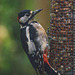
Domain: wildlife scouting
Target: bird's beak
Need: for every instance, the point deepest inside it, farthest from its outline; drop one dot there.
(36, 11)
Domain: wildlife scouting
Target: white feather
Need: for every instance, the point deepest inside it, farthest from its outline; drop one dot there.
(24, 18)
(31, 44)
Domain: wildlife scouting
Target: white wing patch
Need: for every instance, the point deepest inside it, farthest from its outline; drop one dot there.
(31, 44)
(42, 37)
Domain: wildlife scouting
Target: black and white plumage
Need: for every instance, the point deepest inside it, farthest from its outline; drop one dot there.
(34, 42)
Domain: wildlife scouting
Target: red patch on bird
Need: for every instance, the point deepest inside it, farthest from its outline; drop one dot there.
(45, 59)
(18, 18)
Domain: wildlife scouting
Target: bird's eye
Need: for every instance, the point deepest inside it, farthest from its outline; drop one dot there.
(27, 14)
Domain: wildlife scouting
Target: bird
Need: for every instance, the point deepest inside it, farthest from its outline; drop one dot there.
(35, 42)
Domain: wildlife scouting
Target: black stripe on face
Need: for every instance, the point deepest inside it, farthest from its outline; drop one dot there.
(23, 12)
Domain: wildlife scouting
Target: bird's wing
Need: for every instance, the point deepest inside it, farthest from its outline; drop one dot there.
(24, 39)
(37, 43)
(41, 35)
(39, 39)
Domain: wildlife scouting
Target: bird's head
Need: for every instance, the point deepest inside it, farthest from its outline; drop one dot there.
(26, 15)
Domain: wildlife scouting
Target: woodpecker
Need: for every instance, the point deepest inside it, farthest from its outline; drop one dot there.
(35, 42)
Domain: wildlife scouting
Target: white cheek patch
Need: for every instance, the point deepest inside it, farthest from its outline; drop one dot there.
(23, 19)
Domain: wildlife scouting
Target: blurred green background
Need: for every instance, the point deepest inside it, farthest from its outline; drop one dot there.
(13, 60)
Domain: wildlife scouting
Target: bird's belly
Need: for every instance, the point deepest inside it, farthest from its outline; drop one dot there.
(42, 42)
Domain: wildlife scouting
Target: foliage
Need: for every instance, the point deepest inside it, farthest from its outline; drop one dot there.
(13, 60)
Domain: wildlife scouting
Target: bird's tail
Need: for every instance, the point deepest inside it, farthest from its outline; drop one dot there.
(48, 68)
